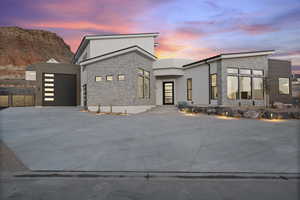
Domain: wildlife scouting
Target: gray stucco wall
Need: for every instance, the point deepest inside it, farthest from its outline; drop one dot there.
(278, 69)
(59, 68)
(118, 93)
(253, 62)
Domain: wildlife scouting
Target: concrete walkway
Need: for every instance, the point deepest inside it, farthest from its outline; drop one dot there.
(159, 140)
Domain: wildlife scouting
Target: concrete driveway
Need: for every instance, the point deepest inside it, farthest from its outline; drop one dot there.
(161, 140)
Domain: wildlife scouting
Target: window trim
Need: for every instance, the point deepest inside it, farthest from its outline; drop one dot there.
(263, 88)
(189, 97)
(279, 93)
(141, 74)
(240, 96)
(238, 87)
(211, 86)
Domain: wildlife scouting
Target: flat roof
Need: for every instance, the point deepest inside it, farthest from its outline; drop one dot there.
(233, 55)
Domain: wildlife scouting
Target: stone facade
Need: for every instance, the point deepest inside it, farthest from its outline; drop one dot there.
(254, 62)
(117, 92)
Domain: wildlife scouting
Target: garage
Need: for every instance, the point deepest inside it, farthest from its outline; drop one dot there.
(57, 84)
(59, 89)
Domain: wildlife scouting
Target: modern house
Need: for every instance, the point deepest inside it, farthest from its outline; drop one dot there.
(121, 72)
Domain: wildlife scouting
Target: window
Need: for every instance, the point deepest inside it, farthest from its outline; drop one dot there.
(121, 77)
(146, 86)
(98, 78)
(49, 85)
(213, 86)
(143, 83)
(49, 89)
(284, 86)
(49, 80)
(232, 70)
(189, 87)
(49, 94)
(245, 87)
(257, 88)
(241, 84)
(49, 75)
(245, 71)
(48, 99)
(232, 87)
(109, 78)
(258, 72)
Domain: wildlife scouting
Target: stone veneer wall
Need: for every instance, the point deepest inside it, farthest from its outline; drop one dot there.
(118, 93)
(254, 62)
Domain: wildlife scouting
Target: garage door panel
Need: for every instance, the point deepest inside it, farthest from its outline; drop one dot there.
(61, 91)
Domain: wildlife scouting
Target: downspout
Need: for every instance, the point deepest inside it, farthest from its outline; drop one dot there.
(209, 88)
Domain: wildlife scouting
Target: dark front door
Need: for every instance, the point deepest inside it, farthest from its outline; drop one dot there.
(168, 93)
(59, 90)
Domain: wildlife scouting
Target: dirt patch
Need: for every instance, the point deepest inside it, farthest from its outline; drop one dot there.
(9, 161)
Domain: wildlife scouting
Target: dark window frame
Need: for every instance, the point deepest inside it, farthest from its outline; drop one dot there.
(213, 86)
(240, 95)
(289, 86)
(238, 87)
(189, 91)
(144, 78)
(263, 87)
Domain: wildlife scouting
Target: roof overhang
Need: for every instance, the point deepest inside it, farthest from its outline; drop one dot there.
(86, 39)
(119, 52)
(229, 55)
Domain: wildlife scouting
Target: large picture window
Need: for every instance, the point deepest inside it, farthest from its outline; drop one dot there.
(189, 87)
(258, 88)
(232, 87)
(245, 84)
(284, 85)
(213, 86)
(143, 83)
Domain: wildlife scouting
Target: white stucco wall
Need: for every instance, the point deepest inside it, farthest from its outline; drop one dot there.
(159, 89)
(200, 84)
(86, 51)
(102, 46)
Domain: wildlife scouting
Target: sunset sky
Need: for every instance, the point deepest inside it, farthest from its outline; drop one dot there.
(188, 29)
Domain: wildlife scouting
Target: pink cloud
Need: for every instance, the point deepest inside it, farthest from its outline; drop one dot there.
(256, 29)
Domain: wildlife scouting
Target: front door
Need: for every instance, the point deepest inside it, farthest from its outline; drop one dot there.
(168, 93)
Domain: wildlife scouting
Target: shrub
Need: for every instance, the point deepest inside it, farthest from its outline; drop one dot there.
(182, 104)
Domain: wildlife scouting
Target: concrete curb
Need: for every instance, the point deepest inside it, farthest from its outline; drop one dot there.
(153, 174)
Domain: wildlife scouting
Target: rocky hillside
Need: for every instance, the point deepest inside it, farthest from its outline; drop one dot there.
(21, 47)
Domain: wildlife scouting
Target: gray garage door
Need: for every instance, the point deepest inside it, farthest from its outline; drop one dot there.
(59, 89)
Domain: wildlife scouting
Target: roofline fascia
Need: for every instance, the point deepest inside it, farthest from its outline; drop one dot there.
(227, 56)
(107, 55)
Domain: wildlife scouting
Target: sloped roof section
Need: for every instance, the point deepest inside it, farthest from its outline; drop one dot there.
(118, 52)
(85, 40)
